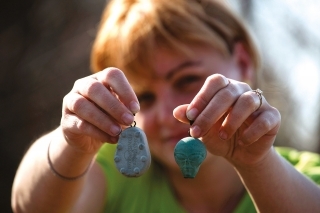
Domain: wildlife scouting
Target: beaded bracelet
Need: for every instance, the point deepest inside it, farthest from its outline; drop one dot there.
(56, 173)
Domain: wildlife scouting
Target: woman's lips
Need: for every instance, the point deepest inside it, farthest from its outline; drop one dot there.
(173, 140)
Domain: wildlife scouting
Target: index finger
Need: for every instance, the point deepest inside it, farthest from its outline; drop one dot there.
(198, 104)
(115, 79)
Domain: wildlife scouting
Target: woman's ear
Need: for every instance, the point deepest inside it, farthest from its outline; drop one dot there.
(245, 63)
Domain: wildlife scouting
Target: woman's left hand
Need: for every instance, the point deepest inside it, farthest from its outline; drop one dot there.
(232, 120)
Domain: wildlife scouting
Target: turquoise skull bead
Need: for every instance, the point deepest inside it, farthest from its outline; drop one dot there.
(189, 153)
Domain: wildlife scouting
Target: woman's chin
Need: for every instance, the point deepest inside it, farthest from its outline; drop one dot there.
(164, 153)
(166, 159)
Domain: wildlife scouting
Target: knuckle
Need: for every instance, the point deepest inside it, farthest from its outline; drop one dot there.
(265, 124)
(275, 117)
(245, 86)
(67, 121)
(113, 72)
(65, 99)
(226, 95)
(77, 83)
(248, 101)
(81, 125)
(217, 79)
(76, 104)
(276, 113)
(93, 87)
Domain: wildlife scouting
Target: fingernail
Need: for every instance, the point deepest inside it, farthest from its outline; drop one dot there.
(223, 135)
(134, 107)
(227, 81)
(195, 131)
(192, 114)
(115, 130)
(127, 118)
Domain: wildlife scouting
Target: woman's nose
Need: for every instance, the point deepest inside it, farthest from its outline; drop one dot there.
(164, 110)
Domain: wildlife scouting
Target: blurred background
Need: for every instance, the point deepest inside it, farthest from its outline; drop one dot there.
(45, 46)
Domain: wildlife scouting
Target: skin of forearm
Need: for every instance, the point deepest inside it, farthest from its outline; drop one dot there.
(37, 189)
(276, 186)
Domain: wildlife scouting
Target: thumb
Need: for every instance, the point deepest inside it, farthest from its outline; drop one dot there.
(180, 113)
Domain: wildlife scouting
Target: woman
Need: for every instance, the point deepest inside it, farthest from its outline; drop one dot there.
(186, 60)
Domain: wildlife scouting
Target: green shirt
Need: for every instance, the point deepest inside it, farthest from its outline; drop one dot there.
(151, 193)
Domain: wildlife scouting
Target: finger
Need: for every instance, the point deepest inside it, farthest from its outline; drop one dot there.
(116, 79)
(245, 105)
(212, 85)
(180, 113)
(80, 126)
(265, 125)
(88, 111)
(96, 92)
(218, 106)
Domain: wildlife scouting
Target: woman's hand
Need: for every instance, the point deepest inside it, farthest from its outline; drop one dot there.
(96, 108)
(228, 118)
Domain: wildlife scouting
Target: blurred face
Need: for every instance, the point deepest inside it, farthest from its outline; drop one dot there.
(178, 79)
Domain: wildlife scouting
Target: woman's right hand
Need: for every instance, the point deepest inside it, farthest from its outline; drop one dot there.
(96, 108)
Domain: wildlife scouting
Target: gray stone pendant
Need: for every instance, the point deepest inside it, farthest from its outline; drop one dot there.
(189, 153)
(132, 157)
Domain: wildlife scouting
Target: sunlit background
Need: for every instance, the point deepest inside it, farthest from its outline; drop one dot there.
(45, 46)
(288, 33)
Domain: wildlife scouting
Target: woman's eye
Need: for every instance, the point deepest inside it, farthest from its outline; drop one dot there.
(146, 99)
(188, 83)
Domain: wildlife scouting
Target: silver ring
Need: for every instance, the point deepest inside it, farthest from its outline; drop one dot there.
(259, 93)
